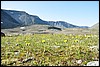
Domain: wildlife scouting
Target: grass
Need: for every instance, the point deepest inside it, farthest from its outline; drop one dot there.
(48, 50)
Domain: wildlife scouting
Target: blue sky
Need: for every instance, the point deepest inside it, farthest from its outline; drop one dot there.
(82, 13)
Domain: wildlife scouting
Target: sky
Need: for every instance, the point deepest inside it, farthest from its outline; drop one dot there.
(81, 13)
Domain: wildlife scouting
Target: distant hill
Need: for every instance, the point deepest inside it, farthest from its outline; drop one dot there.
(95, 26)
(13, 19)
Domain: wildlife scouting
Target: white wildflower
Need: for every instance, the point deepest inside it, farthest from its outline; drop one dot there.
(79, 61)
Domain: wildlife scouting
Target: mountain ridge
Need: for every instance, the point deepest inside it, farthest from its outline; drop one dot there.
(21, 18)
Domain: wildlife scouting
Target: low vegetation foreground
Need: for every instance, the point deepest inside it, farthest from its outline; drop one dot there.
(49, 50)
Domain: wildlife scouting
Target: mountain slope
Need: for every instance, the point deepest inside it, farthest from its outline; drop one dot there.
(95, 26)
(12, 19)
(8, 21)
(20, 16)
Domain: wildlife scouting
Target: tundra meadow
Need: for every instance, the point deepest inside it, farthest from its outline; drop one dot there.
(48, 50)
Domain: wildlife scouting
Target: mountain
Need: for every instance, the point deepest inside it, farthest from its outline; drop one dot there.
(95, 26)
(13, 18)
(8, 21)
